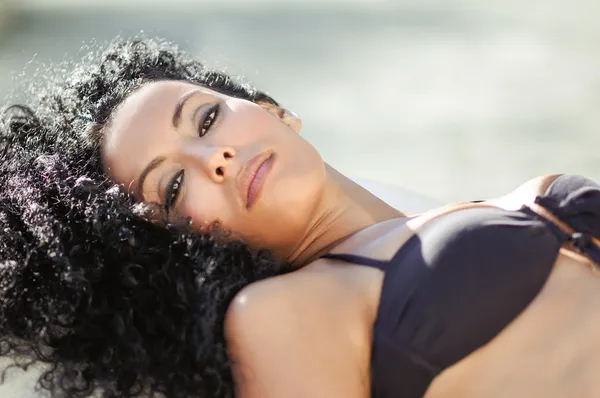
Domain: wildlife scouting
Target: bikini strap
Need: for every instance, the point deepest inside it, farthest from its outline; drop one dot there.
(581, 245)
(413, 225)
(356, 259)
(574, 240)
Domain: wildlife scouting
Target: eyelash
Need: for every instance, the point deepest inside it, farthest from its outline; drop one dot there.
(209, 119)
(173, 189)
(174, 186)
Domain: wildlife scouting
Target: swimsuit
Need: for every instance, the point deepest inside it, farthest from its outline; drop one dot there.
(464, 276)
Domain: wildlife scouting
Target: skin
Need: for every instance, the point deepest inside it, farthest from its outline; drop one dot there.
(328, 308)
(320, 318)
(305, 206)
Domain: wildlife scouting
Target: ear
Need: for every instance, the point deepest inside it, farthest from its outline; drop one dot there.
(290, 118)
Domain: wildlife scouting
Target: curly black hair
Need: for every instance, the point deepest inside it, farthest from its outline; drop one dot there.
(112, 303)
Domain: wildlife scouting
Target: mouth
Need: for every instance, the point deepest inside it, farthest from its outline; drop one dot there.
(252, 177)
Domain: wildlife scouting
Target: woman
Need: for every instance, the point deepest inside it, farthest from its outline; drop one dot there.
(353, 298)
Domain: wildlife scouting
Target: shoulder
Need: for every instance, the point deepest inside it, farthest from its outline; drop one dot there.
(526, 193)
(315, 291)
(288, 336)
(267, 307)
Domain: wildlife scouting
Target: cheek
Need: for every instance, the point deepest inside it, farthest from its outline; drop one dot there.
(206, 204)
(248, 121)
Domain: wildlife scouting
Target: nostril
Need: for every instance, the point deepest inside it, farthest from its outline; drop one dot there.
(227, 155)
(220, 171)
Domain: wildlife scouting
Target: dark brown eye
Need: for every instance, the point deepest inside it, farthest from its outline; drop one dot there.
(173, 189)
(210, 116)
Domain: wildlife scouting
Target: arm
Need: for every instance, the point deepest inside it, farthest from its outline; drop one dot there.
(285, 343)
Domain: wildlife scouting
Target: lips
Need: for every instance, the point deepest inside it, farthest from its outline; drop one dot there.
(252, 177)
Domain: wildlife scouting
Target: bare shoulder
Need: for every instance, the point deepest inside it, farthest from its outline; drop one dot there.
(300, 290)
(525, 194)
(267, 305)
(259, 298)
(289, 336)
(539, 184)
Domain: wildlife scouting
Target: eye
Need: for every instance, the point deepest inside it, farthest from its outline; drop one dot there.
(210, 116)
(173, 189)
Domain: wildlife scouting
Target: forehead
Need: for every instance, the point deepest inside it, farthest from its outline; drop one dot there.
(152, 102)
(140, 127)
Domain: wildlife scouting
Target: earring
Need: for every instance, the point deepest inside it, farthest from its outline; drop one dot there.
(288, 117)
(291, 120)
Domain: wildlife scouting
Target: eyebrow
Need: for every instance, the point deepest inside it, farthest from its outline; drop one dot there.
(179, 107)
(139, 188)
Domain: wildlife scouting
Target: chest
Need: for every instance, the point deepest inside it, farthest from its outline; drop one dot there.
(550, 350)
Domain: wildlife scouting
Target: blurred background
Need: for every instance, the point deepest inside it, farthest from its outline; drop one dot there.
(454, 99)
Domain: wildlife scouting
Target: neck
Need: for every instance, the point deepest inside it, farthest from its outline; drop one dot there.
(345, 209)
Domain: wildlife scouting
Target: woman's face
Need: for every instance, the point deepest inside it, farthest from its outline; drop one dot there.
(212, 157)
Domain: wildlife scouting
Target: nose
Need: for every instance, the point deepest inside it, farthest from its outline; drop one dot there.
(214, 161)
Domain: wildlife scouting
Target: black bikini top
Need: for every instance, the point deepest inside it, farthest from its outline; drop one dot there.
(463, 276)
